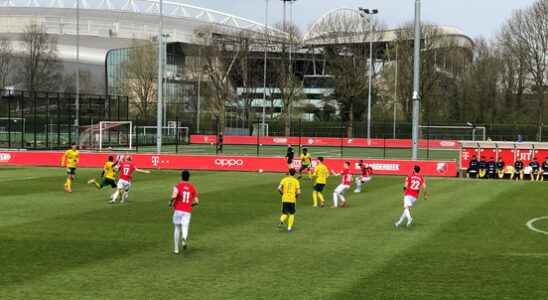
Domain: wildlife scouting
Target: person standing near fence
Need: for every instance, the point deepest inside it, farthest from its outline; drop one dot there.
(220, 143)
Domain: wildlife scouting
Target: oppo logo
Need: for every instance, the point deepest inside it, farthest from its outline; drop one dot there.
(280, 140)
(5, 157)
(225, 162)
(447, 144)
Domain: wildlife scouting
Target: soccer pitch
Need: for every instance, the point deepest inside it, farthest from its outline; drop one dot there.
(469, 241)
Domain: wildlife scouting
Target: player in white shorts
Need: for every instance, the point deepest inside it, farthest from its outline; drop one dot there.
(124, 182)
(413, 185)
(346, 182)
(365, 176)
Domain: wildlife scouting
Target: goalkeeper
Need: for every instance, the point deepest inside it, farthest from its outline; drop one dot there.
(108, 176)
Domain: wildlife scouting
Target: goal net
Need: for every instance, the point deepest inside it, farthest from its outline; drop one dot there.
(171, 135)
(12, 125)
(115, 135)
(460, 133)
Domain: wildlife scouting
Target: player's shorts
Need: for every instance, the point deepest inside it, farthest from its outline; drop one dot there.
(409, 201)
(181, 217)
(365, 178)
(108, 182)
(318, 187)
(123, 184)
(305, 167)
(288, 208)
(341, 188)
(71, 171)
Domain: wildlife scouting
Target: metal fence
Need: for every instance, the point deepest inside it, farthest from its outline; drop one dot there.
(41, 120)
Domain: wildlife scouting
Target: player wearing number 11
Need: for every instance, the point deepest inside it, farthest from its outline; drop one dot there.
(413, 185)
(183, 199)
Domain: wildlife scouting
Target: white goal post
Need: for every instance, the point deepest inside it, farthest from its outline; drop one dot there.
(454, 132)
(105, 125)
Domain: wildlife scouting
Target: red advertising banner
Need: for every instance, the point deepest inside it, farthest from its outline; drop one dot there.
(226, 163)
(323, 141)
(509, 156)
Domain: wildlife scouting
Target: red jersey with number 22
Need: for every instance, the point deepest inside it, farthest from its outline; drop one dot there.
(126, 171)
(186, 193)
(413, 185)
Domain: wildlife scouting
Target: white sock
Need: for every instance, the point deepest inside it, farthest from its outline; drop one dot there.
(185, 226)
(125, 195)
(402, 217)
(115, 196)
(407, 214)
(358, 184)
(176, 237)
(342, 198)
(335, 199)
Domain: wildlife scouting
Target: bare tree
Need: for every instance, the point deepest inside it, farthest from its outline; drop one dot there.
(140, 75)
(527, 32)
(87, 83)
(40, 67)
(6, 61)
(344, 41)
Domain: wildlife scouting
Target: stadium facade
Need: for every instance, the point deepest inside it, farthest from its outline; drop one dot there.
(108, 27)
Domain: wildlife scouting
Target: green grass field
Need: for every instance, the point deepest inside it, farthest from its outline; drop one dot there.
(469, 241)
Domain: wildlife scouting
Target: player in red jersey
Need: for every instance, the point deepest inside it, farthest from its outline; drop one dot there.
(183, 199)
(125, 169)
(413, 185)
(365, 176)
(346, 182)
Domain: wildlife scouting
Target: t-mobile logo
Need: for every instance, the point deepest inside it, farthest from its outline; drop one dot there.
(155, 160)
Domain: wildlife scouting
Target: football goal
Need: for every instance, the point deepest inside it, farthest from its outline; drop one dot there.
(12, 124)
(461, 133)
(171, 135)
(111, 135)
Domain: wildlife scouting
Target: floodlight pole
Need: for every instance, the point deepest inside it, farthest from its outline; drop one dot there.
(159, 113)
(416, 82)
(77, 100)
(369, 13)
(263, 120)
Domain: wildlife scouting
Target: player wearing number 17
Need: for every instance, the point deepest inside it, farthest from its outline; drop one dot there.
(289, 188)
(126, 170)
(183, 199)
(413, 185)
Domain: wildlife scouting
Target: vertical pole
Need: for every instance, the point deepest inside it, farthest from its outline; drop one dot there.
(9, 123)
(77, 104)
(395, 92)
(199, 102)
(258, 139)
(265, 65)
(34, 120)
(416, 82)
(160, 81)
(58, 121)
(370, 81)
(23, 131)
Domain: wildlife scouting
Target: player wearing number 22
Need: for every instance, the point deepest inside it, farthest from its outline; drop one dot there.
(413, 185)
(183, 199)
(126, 170)
(289, 188)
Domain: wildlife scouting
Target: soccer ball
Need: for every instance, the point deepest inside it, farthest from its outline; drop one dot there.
(260, 170)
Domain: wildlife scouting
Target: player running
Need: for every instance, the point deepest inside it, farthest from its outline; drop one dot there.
(70, 161)
(346, 182)
(290, 189)
(183, 199)
(108, 175)
(306, 163)
(290, 155)
(126, 170)
(321, 173)
(413, 185)
(365, 176)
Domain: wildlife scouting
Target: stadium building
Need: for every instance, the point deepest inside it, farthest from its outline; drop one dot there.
(108, 27)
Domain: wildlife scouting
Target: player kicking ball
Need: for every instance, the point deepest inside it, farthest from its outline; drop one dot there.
(413, 185)
(346, 182)
(365, 176)
(289, 188)
(108, 176)
(126, 170)
(183, 199)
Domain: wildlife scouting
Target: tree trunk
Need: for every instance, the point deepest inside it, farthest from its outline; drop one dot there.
(350, 127)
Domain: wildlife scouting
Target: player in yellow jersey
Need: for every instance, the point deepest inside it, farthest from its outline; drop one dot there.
(289, 188)
(321, 173)
(306, 163)
(70, 161)
(108, 175)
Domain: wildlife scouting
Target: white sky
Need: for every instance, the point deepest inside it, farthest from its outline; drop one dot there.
(475, 17)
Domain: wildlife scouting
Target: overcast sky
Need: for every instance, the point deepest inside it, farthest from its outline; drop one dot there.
(475, 17)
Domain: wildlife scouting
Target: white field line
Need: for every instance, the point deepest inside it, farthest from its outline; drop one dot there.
(533, 228)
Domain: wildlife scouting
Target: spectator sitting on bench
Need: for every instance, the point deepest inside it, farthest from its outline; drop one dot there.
(500, 168)
(535, 170)
(492, 168)
(472, 167)
(544, 173)
(518, 170)
(482, 167)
